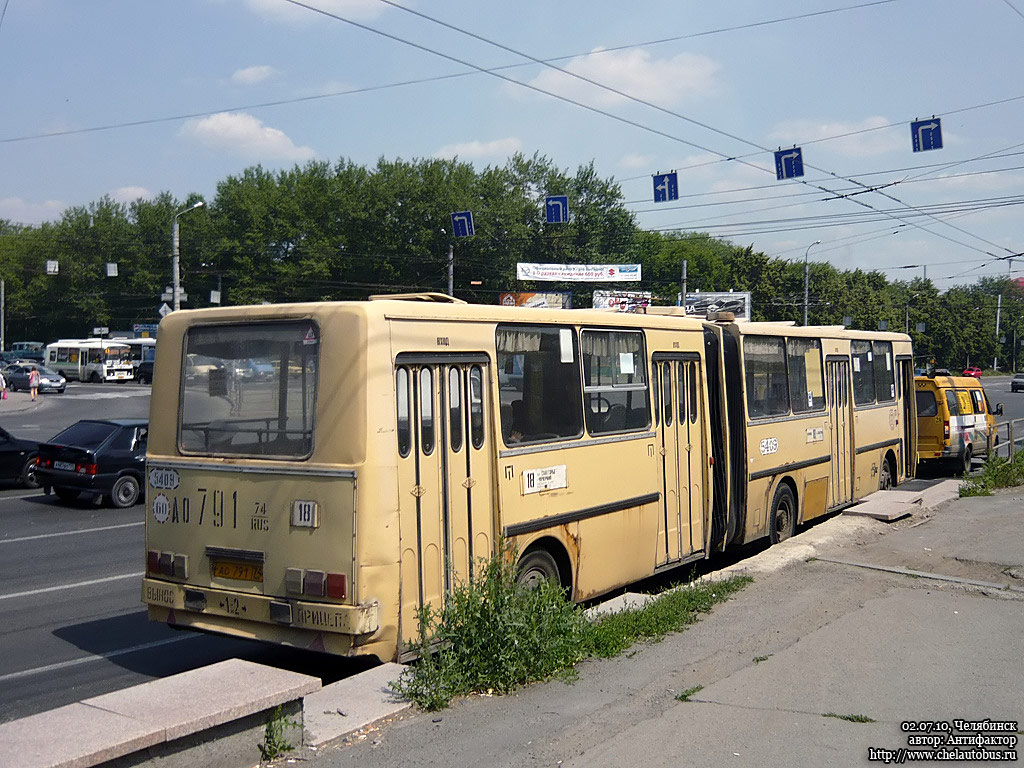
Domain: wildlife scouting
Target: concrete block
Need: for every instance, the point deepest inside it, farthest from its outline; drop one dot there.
(74, 736)
(203, 698)
(625, 602)
(350, 704)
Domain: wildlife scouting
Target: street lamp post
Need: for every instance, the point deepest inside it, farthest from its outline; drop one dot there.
(175, 260)
(807, 276)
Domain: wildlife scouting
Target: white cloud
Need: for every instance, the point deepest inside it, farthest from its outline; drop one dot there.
(253, 75)
(876, 139)
(279, 11)
(661, 81)
(23, 212)
(130, 194)
(476, 150)
(634, 161)
(245, 135)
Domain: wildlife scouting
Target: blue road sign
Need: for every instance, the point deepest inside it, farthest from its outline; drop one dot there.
(926, 134)
(557, 209)
(789, 163)
(462, 224)
(666, 187)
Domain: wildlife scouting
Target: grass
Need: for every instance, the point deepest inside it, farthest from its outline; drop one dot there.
(275, 743)
(495, 635)
(850, 718)
(759, 659)
(685, 695)
(997, 472)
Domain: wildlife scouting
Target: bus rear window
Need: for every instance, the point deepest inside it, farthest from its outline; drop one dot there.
(232, 407)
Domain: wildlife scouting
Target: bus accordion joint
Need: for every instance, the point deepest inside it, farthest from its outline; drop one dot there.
(721, 316)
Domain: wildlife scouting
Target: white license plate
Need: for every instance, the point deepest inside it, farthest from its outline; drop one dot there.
(67, 466)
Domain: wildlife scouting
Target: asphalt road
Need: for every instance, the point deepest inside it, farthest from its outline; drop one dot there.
(71, 621)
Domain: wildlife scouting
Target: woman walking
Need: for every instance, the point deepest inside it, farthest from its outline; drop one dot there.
(33, 383)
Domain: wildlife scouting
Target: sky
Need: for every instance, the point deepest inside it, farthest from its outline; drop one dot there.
(130, 98)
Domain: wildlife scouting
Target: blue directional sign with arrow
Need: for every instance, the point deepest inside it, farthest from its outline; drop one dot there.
(557, 209)
(926, 134)
(666, 187)
(462, 224)
(789, 163)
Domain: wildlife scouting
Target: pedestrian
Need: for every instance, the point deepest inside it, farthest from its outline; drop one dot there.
(3, 387)
(33, 383)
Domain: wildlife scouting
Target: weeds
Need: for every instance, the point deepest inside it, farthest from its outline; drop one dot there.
(850, 718)
(685, 695)
(494, 634)
(759, 659)
(275, 743)
(997, 472)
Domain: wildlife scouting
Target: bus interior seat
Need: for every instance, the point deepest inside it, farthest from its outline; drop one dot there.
(616, 418)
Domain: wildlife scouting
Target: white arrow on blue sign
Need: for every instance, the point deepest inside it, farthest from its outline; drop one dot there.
(666, 187)
(789, 163)
(926, 134)
(462, 224)
(556, 208)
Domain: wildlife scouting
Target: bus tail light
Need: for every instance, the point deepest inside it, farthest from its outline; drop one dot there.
(945, 429)
(166, 564)
(337, 586)
(153, 562)
(315, 583)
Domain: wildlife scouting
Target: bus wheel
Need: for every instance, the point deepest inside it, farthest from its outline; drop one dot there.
(537, 566)
(885, 476)
(963, 467)
(783, 518)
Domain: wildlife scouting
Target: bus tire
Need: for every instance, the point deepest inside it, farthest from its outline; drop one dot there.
(963, 466)
(885, 475)
(782, 523)
(125, 492)
(536, 566)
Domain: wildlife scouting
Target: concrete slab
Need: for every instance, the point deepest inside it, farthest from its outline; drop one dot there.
(353, 703)
(627, 601)
(887, 512)
(940, 493)
(206, 697)
(75, 736)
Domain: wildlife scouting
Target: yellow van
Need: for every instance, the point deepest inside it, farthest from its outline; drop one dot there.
(954, 420)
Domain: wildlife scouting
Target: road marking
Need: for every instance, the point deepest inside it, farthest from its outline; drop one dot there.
(70, 533)
(104, 395)
(97, 657)
(88, 583)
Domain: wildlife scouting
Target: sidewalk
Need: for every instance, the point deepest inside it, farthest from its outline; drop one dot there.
(19, 402)
(817, 662)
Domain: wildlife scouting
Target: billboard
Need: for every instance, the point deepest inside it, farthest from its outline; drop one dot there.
(623, 301)
(579, 273)
(737, 302)
(550, 300)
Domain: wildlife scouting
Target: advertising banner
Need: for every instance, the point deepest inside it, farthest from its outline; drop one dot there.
(550, 300)
(579, 273)
(737, 302)
(623, 301)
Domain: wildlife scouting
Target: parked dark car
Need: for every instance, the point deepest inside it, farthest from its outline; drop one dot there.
(104, 458)
(144, 373)
(18, 459)
(49, 381)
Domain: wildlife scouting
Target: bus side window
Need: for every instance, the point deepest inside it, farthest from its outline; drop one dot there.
(951, 403)
(476, 406)
(455, 408)
(402, 402)
(426, 411)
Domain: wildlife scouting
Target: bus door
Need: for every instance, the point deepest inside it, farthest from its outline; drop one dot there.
(680, 444)
(445, 476)
(840, 416)
(909, 403)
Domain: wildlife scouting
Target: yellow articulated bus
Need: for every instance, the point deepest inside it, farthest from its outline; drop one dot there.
(392, 442)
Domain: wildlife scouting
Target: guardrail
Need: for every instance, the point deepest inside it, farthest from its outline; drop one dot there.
(1006, 438)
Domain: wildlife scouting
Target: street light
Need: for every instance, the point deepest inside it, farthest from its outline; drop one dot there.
(175, 262)
(807, 276)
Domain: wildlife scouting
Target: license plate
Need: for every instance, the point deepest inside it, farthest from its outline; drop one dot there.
(67, 466)
(226, 569)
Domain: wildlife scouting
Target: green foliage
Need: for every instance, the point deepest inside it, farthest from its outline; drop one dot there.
(494, 634)
(275, 743)
(997, 472)
(850, 718)
(689, 692)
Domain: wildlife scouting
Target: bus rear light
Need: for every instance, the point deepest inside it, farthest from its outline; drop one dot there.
(293, 581)
(315, 583)
(945, 429)
(167, 563)
(153, 562)
(337, 586)
(180, 567)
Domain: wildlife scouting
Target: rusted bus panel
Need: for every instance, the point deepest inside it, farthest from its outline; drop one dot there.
(815, 498)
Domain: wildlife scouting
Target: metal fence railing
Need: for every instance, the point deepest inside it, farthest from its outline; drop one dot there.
(1006, 438)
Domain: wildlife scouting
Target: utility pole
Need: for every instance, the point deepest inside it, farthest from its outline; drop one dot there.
(682, 285)
(999, 312)
(3, 312)
(807, 277)
(451, 271)
(175, 258)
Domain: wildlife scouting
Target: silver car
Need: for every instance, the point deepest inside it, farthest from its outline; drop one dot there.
(49, 381)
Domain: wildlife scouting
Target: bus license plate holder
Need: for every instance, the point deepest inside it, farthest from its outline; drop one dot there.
(237, 571)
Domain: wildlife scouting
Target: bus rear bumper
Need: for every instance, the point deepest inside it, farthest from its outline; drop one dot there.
(299, 623)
